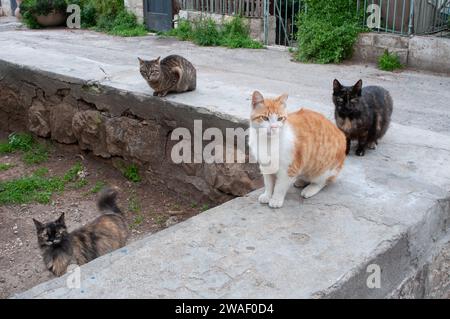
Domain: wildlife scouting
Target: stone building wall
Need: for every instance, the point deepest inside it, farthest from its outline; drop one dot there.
(137, 7)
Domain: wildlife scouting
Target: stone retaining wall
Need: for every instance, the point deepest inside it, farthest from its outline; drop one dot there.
(113, 123)
(428, 53)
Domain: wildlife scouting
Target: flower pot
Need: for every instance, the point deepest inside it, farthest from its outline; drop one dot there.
(52, 19)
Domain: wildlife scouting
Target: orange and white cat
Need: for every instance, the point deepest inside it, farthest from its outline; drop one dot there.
(302, 148)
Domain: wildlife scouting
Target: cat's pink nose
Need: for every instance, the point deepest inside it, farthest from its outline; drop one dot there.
(274, 125)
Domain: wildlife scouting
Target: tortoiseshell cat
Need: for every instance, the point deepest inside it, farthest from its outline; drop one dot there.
(309, 151)
(363, 114)
(106, 233)
(171, 74)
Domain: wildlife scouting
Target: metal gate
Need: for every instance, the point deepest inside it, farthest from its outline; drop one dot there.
(285, 12)
(158, 14)
(13, 7)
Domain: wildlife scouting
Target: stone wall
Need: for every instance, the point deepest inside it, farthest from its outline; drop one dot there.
(137, 7)
(112, 123)
(5, 8)
(421, 52)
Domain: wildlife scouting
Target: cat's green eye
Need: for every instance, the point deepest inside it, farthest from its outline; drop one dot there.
(354, 100)
(265, 118)
(340, 99)
(281, 118)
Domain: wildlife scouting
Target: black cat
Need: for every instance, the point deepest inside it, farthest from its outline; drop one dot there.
(363, 114)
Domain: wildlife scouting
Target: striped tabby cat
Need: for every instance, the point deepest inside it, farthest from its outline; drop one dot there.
(106, 233)
(171, 74)
(309, 151)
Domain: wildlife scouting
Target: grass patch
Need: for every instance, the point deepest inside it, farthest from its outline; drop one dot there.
(138, 220)
(99, 185)
(133, 204)
(5, 167)
(389, 61)
(33, 152)
(72, 174)
(37, 155)
(131, 172)
(39, 187)
(205, 32)
(34, 188)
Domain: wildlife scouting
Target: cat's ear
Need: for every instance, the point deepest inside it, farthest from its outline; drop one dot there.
(38, 224)
(141, 61)
(157, 60)
(283, 98)
(337, 86)
(61, 220)
(257, 99)
(357, 88)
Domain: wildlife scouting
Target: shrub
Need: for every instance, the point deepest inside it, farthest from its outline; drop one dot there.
(389, 61)
(110, 16)
(88, 12)
(125, 24)
(205, 32)
(183, 31)
(236, 34)
(327, 31)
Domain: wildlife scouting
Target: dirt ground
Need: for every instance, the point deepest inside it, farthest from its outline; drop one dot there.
(149, 208)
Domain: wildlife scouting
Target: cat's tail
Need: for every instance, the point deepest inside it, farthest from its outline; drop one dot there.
(107, 201)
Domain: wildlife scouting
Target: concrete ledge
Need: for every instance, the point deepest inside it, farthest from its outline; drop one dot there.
(390, 208)
(389, 215)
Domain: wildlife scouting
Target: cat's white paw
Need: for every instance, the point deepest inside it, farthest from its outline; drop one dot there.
(311, 190)
(372, 146)
(276, 202)
(264, 198)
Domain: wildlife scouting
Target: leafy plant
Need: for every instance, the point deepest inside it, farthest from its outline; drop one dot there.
(109, 16)
(236, 34)
(125, 24)
(33, 152)
(327, 31)
(389, 61)
(131, 172)
(5, 167)
(205, 32)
